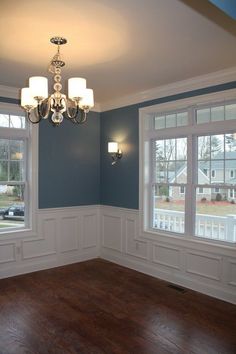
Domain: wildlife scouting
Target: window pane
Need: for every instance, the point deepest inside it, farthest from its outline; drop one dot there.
(217, 146)
(16, 171)
(165, 172)
(16, 150)
(230, 145)
(159, 122)
(170, 149)
(230, 111)
(170, 160)
(160, 150)
(170, 120)
(17, 122)
(4, 120)
(182, 119)
(169, 209)
(203, 172)
(204, 148)
(218, 168)
(3, 171)
(3, 149)
(181, 149)
(203, 115)
(217, 113)
(230, 171)
(216, 214)
(161, 172)
(12, 207)
(181, 172)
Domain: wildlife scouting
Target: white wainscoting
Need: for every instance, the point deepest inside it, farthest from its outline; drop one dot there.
(63, 236)
(196, 265)
(69, 235)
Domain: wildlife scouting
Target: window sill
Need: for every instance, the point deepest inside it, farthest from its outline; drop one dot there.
(17, 234)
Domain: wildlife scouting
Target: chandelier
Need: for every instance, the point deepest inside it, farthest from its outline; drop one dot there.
(57, 106)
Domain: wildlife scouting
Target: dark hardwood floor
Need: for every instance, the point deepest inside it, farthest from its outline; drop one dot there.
(99, 307)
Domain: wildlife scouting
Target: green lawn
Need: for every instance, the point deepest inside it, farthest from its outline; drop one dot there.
(211, 208)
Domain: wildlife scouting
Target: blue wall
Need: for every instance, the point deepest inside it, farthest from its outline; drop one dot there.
(119, 183)
(69, 163)
(228, 6)
(75, 167)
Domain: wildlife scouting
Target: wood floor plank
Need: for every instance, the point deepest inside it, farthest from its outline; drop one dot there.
(100, 307)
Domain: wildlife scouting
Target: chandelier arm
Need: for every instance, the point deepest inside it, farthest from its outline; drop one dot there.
(39, 109)
(31, 121)
(83, 118)
(70, 115)
(80, 120)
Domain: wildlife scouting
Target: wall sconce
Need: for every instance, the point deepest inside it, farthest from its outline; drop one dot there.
(115, 152)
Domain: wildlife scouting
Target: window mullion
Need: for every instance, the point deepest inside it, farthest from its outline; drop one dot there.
(152, 180)
(191, 179)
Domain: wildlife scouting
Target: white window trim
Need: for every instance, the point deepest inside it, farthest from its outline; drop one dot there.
(32, 200)
(144, 156)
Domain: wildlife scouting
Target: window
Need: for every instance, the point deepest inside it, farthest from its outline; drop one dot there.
(16, 156)
(182, 190)
(170, 174)
(187, 172)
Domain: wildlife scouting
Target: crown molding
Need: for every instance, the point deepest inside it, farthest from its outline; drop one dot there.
(194, 83)
(96, 108)
(197, 82)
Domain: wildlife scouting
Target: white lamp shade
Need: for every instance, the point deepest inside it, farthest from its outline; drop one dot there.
(39, 86)
(87, 100)
(27, 98)
(76, 87)
(112, 147)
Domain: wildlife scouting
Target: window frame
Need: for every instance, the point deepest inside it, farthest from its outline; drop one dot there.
(146, 133)
(30, 136)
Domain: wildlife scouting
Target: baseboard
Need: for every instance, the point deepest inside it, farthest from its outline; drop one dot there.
(42, 265)
(149, 269)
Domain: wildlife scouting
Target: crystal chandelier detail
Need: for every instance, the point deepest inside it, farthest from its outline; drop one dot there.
(57, 106)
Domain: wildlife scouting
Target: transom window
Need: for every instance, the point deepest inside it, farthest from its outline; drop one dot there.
(188, 175)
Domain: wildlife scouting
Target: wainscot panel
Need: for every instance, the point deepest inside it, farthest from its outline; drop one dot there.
(63, 236)
(206, 268)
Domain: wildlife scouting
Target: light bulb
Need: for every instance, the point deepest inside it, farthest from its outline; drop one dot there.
(57, 118)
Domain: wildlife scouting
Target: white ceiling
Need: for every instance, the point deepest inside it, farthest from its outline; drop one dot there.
(121, 47)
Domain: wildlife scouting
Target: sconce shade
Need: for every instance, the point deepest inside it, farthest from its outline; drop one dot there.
(27, 98)
(112, 147)
(38, 86)
(76, 87)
